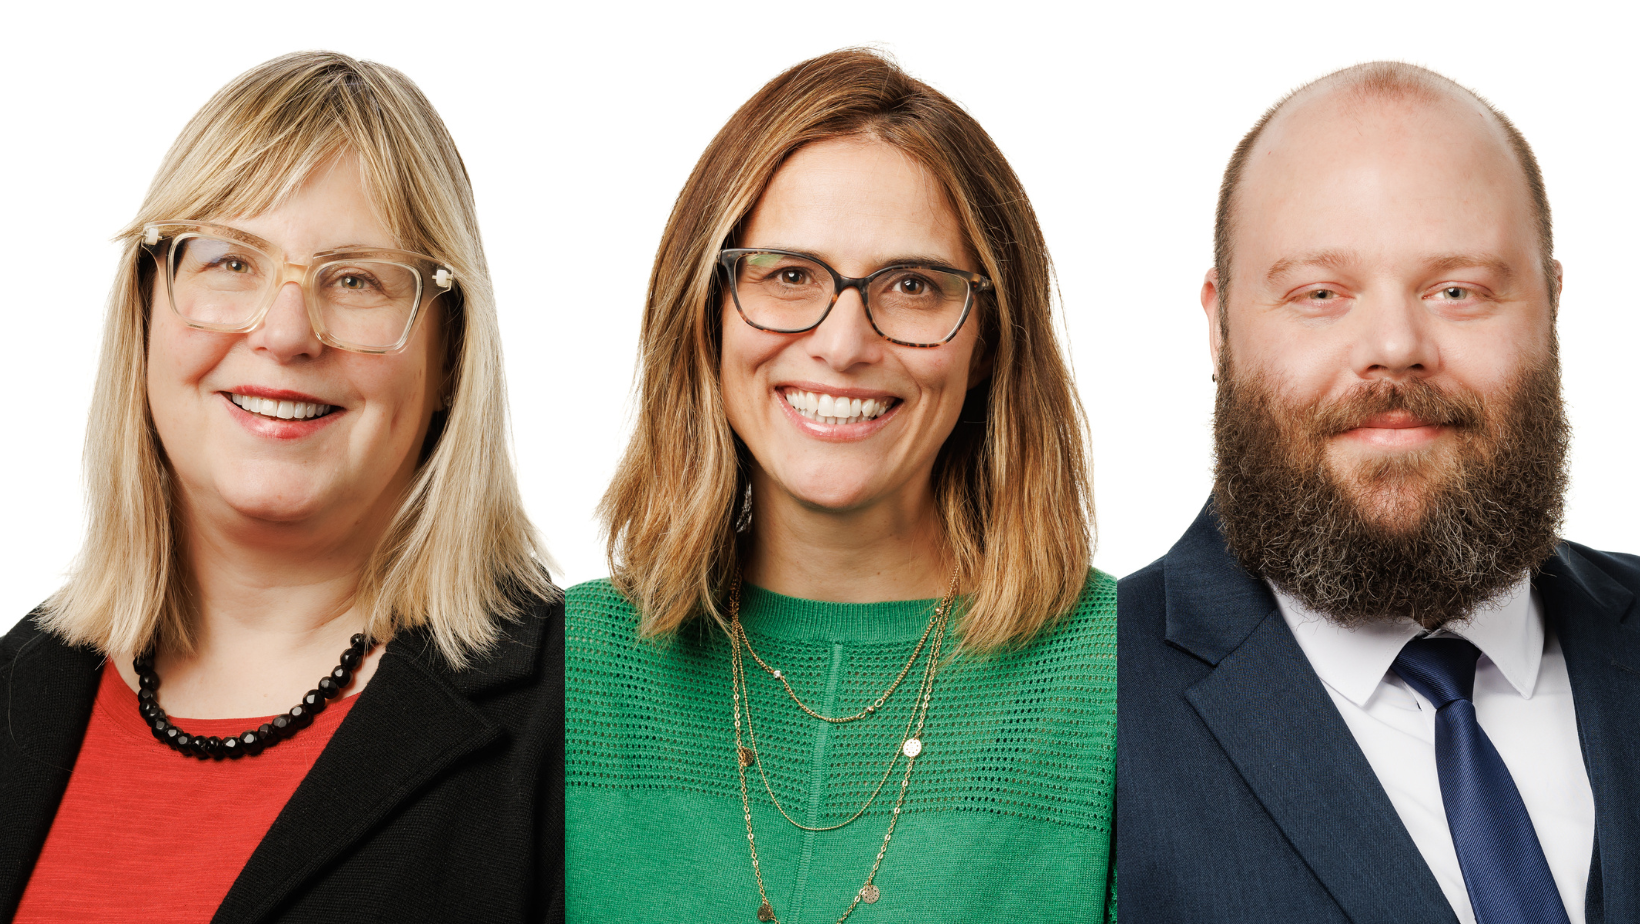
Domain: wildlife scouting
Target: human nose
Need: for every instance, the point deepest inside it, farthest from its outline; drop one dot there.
(846, 337)
(286, 333)
(1395, 339)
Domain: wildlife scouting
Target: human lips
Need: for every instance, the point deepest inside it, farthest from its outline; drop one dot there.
(834, 413)
(837, 406)
(1395, 430)
(280, 413)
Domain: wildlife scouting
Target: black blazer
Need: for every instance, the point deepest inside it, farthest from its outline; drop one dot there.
(440, 797)
(1242, 795)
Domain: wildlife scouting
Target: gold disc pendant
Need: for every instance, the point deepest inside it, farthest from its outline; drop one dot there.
(764, 912)
(869, 894)
(747, 757)
(913, 747)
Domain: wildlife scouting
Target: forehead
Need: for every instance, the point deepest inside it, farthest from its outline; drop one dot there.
(1382, 177)
(331, 207)
(855, 198)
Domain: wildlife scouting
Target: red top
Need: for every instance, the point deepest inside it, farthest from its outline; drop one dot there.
(146, 834)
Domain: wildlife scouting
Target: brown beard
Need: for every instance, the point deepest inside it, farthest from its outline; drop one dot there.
(1429, 534)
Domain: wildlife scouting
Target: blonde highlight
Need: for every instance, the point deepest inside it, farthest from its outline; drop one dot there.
(1013, 490)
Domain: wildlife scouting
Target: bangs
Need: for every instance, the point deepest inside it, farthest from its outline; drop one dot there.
(263, 137)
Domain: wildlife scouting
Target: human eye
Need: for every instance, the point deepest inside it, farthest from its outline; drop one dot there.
(351, 280)
(224, 266)
(782, 275)
(912, 284)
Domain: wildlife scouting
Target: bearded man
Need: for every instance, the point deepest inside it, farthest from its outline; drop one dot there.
(1371, 683)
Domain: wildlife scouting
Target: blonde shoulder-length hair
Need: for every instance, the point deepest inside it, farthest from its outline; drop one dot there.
(1011, 482)
(459, 554)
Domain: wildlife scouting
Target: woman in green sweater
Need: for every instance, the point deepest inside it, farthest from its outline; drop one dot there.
(853, 661)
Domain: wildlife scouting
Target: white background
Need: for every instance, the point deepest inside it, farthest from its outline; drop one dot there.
(579, 123)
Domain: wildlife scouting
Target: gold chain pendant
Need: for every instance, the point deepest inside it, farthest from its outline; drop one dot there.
(910, 746)
(871, 708)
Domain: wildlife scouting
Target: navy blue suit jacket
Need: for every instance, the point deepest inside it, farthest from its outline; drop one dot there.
(1242, 796)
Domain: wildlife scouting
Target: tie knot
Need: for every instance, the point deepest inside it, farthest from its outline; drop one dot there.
(1442, 669)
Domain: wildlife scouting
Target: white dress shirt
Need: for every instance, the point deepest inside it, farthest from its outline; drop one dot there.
(1523, 700)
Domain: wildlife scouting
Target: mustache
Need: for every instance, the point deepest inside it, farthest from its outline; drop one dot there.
(1461, 410)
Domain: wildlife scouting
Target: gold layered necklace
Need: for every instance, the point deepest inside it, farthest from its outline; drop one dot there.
(910, 746)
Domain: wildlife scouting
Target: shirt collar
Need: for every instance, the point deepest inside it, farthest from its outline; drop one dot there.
(1508, 630)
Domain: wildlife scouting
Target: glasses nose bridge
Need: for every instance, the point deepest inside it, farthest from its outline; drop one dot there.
(844, 283)
(293, 272)
(290, 273)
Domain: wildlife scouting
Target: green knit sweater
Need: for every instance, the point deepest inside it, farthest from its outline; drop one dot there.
(1009, 814)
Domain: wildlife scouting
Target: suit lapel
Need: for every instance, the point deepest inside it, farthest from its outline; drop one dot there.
(1270, 713)
(1594, 617)
(49, 690)
(408, 725)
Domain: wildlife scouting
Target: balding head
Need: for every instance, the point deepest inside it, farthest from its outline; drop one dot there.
(1389, 429)
(1391, 89)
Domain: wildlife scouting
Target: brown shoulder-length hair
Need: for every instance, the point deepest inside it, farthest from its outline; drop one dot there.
(459, 553)
(1012, 480)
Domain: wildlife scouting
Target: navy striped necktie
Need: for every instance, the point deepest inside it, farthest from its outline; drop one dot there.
(1503, 865)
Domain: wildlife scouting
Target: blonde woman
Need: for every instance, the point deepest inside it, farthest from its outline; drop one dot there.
(853, 660)
(308, 665)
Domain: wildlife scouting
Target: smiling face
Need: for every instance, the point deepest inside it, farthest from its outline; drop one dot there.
(1385, 248)
(275, 427)
(1389, 432)
(838, 418)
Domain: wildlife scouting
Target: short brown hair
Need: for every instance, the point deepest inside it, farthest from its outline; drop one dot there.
(1012, 485)
(1381, 79)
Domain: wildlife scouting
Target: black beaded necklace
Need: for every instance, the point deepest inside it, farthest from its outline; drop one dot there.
(251, 742)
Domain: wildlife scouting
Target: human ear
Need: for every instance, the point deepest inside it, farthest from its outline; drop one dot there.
(1210, 305)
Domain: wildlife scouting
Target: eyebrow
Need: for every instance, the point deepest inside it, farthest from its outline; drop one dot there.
(1341, 259)
(1330, 259)
(1489, 262)
(912, 259)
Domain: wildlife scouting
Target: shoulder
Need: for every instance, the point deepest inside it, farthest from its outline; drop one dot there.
(23, 635)
(1142, 596)
(28, 640)
(528, 650)
(1619, 566)
(1092, 621)
(1076, 654)
(601, 638)
(597, 608)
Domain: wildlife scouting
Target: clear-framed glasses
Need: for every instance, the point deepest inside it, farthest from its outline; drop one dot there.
(917, 305)
(360, 299)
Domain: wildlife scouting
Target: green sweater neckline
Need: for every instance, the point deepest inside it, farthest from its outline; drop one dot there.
(766, 613)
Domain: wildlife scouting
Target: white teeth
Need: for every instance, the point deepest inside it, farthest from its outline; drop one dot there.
(829, 409)
(282, 410)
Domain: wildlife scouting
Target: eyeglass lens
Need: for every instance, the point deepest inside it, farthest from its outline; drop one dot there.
(782, 292)
(224, 284)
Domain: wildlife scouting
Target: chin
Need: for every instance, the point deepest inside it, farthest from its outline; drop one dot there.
(276, 504)
(834, 498)
(1395, 493)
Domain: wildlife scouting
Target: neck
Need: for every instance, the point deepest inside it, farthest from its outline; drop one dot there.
(274, 609)
(890, 550)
